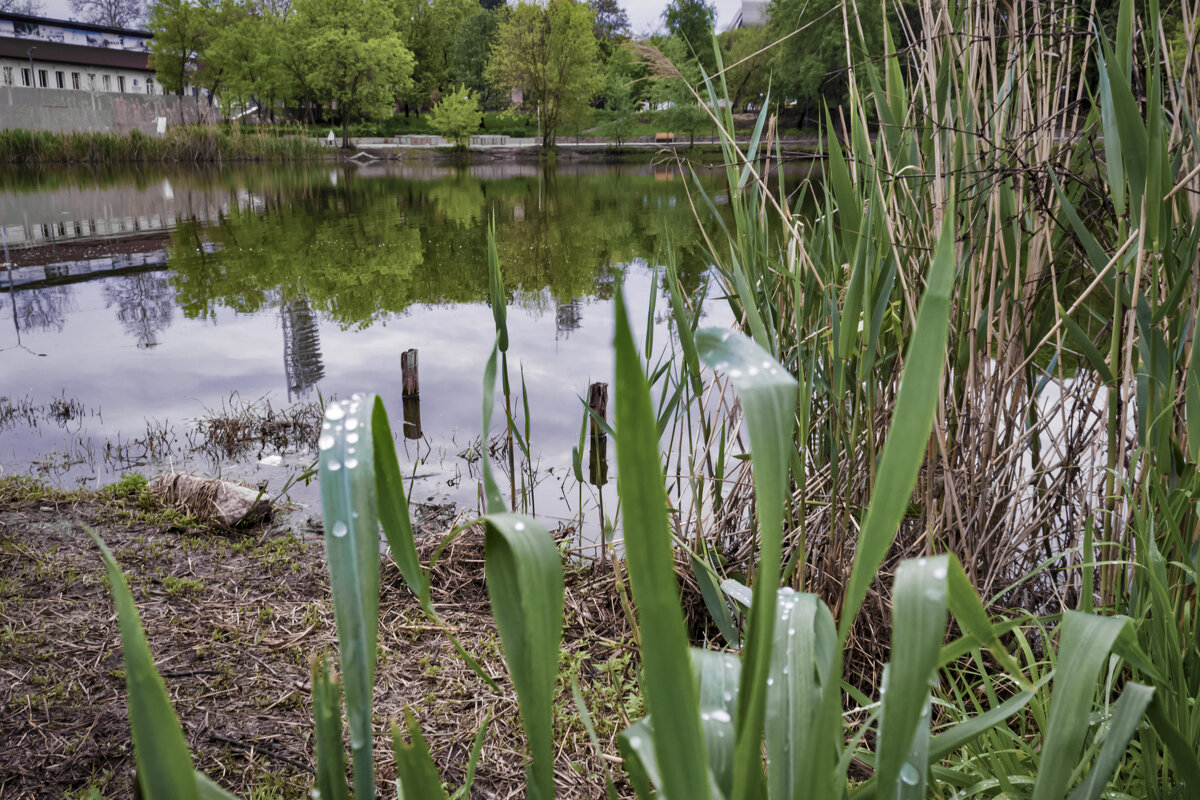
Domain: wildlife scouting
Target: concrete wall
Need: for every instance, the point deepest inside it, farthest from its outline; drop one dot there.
(65, 111)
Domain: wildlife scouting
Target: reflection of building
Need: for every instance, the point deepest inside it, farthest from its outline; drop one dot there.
(74, 56)
(145, 304)
(301, 347)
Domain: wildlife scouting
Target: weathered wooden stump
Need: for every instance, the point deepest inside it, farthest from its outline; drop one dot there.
(410, 379)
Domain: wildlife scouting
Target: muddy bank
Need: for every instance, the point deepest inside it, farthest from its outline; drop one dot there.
(233, 620)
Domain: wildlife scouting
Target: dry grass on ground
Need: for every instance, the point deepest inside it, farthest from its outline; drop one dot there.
(233, 621)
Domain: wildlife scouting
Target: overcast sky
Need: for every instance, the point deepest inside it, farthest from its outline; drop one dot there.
(644, 15)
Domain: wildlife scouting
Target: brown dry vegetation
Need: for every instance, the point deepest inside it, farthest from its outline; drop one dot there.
(233, 621)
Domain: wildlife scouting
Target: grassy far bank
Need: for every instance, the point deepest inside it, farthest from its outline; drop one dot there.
(196, 144)
(234, 619)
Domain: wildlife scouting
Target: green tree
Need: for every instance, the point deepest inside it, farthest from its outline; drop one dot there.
(457, 116)
(359, 60)
(692, 21)
(551, 55)
(246, 50)
(684, 112)
(619, 75)
(469, 53)
(812, 67)
(428, 28)
(747, 70)
(179, 27)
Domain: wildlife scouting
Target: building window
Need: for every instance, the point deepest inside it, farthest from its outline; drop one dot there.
(149, 85)
(43, 78)
(121, 83)
(8, 76)
(26, 77)
(92, 80)
(75, 81)
(108, 83)
(59, 79)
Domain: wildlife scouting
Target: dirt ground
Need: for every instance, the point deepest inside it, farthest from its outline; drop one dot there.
(234, 621)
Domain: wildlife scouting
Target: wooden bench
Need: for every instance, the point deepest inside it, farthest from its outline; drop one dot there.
(664, 137)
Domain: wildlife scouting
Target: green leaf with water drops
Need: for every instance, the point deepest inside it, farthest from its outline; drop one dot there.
(641, 762)
(352, 553)
(801, 739)
(668, 686)
(717, 676)
(164, 765)
(918, 630)
(525, 586)
(767, 394)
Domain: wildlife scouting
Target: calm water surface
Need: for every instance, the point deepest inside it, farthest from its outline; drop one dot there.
(147, 307)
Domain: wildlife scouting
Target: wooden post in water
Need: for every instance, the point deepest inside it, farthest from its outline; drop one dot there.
(411, 382)
(598, 439)
(410, 393)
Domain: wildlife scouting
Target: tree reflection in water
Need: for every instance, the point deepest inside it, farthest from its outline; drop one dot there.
(145, 304)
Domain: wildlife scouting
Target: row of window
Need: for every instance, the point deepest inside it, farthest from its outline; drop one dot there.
(72, 80)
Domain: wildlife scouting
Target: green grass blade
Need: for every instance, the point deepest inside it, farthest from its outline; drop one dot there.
(1083, 647)
(768, 397)
(352, 552)
(473, 761)
(710, 592)
(1182, 749)
(327, 722)
(667, 683)
(164, 765)
(641, 762)
(717, 675)
(496, 289)
(918, 629)
(416, 775)
(908, 434)
(210, 791)
(960, 735)
(1126, 715)
(610, 790)
(968, 610)
(1085, 345)
(525, 587)
(492, 496)
(683, 326)
(393, 505)
(801, 743)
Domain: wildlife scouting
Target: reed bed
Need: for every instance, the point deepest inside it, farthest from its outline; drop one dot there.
(190, 144)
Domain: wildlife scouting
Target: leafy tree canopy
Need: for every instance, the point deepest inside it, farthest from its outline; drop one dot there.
(692, 22)
(551, 55)
(811, 67)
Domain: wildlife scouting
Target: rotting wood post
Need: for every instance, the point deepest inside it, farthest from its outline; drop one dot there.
(411, 382)
(598, 439)
(412, 417)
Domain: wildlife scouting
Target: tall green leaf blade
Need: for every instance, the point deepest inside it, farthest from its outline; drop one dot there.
(801, 744)
(348, 503)
(641, 761)
(768, 396)
(918, 629)
(416, 775)
(209, 790)
(393, 505)
(164, 765)
(496, 289)
(525, 586)
(493, 499)
(667, 682)
(1126, 714)
(912, 422)
(327, 724)
(1083, 647)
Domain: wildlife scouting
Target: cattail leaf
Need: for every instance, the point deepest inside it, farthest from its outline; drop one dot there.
(768, 395)
(349, 506)
(668, 685)
(416, 775)
(801, 742)
(164, 765)
(918, 629)
(327, 722)
(525, 586)
(393, 505)
(1127, 714)
(717, 675)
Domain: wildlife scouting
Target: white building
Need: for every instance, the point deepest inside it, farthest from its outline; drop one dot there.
(74, 56)
(752, 14)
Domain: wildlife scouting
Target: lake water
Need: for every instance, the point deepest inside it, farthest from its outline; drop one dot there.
(150, 312)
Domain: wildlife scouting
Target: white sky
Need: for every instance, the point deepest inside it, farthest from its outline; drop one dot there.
(644, 15)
